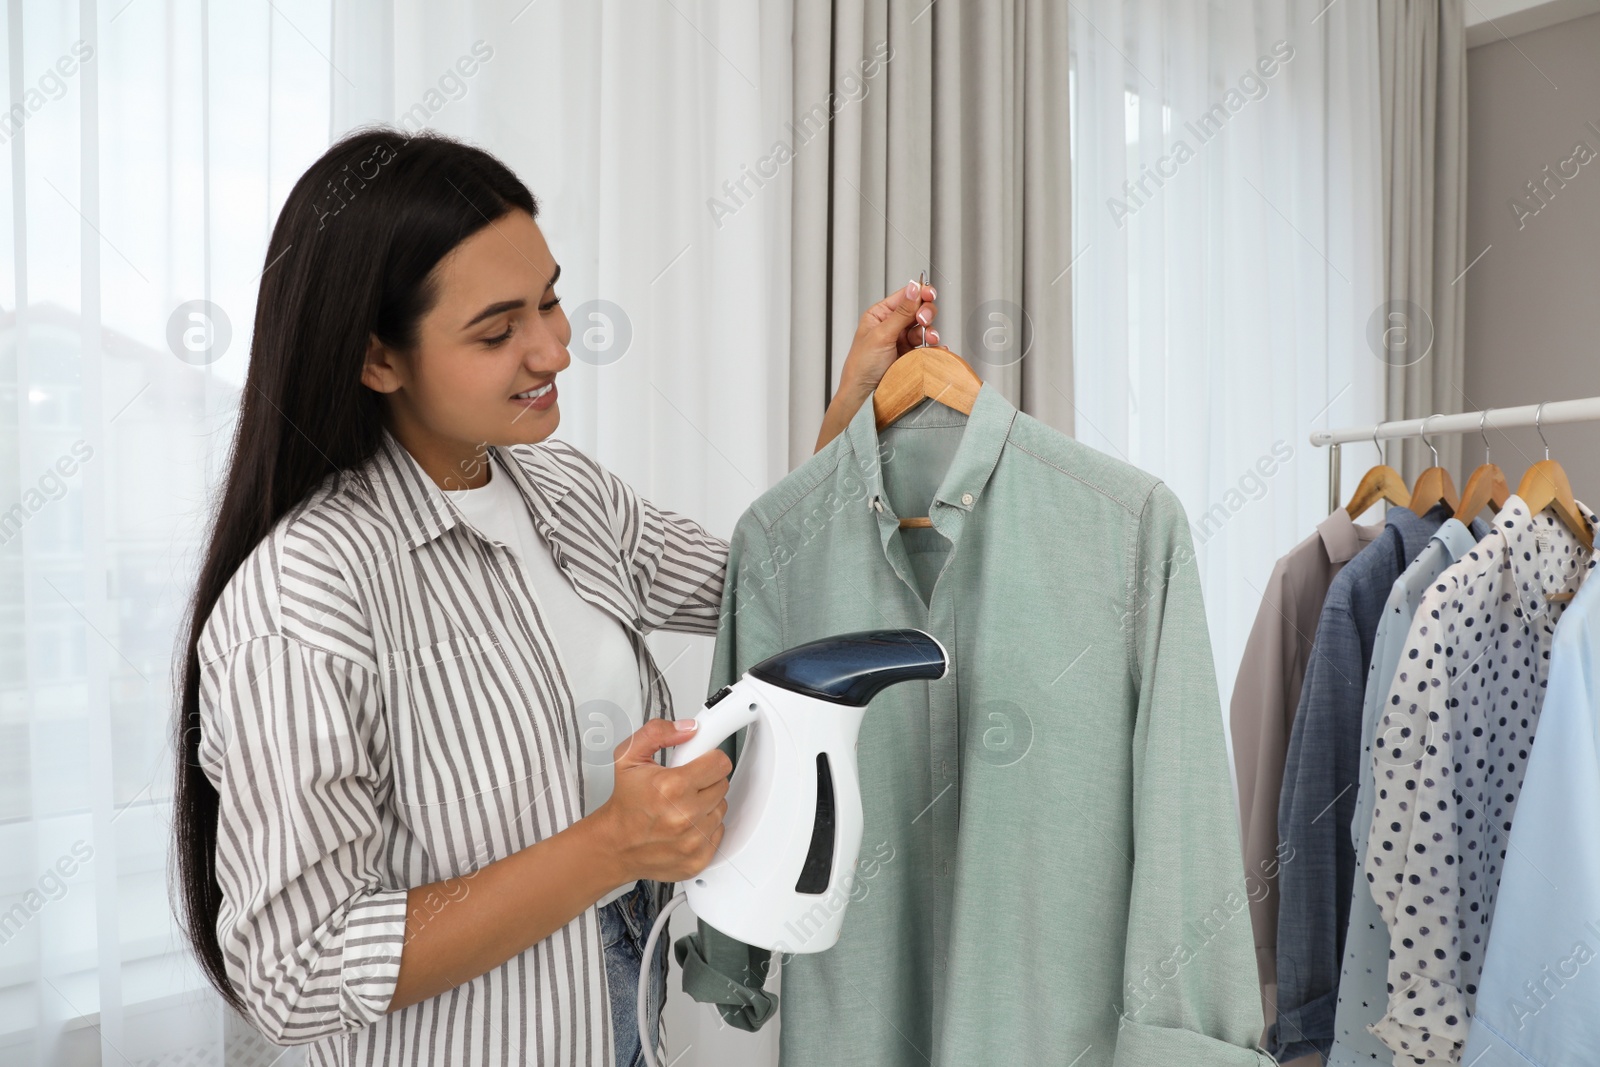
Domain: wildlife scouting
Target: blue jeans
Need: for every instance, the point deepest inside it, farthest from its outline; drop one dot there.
(624, 926)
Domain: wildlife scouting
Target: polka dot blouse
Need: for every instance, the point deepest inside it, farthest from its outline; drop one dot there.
(1448, 763)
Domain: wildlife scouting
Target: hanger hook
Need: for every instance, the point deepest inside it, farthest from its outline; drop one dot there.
(922, 279)
(1381, 457)
(1537, 416)
(1483, 417)
(1423, 433)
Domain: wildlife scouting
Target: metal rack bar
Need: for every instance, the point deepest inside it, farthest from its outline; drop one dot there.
(1548, 414)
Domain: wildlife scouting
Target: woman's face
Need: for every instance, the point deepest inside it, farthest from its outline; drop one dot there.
(487, 354)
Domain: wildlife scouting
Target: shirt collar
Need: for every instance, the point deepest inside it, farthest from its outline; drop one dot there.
(1536, 575)
(1455, 538)
(1342, 538)
(987, 428)
(1412, 530)
(420, 508)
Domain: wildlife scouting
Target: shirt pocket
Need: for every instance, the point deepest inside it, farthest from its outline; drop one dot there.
(460, 721)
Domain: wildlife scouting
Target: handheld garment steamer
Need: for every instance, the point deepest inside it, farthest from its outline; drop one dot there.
(783, 873)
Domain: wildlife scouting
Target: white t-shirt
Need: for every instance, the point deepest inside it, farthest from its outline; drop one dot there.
(595, 654)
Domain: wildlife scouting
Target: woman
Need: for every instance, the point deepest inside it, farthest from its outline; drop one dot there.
(391, 838)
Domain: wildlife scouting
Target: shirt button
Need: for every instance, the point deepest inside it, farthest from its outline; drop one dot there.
(946, 867)
(945, 768)
(966, 498)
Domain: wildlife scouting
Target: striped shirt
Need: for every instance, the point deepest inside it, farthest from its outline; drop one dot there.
(382, 707)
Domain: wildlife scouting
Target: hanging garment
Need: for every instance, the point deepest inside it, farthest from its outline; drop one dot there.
(1539, 998)
(1265, 697)
(1320, 775)
(383, 707)
(1050, 862)
(1362, 994)
(1451, 753)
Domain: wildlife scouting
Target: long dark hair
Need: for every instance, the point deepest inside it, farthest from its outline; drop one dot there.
(350, 257)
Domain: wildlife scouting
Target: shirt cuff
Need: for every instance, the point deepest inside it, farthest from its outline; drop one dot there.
(742, 1006)
(1442, 1009)
(1139, 1045)
(369, 968)
(1303, 1030)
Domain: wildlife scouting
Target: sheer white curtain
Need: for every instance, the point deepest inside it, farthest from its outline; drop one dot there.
(151, 144)
(1227, 213)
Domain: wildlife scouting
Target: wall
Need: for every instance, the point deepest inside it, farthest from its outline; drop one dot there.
(1533, 299)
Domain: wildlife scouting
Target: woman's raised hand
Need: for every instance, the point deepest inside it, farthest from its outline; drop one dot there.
(887, 330)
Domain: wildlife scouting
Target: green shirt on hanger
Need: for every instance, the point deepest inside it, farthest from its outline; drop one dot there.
(1050, 868)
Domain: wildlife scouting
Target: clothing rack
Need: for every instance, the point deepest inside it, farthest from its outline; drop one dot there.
(1539, 415)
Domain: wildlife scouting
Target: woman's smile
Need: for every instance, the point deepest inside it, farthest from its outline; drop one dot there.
(540, 398)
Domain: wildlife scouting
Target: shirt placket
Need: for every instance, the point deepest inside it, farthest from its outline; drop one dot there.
(944, 758)
(941, 815)
(944, 812)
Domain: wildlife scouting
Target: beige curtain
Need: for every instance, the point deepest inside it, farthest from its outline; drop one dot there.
(933, 136)
(1418, 332)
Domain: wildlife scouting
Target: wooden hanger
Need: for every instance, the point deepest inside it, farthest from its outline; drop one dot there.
(927, 372)
(1546, 486)
(1486, 486)
(1434, 485)
(1382, 482)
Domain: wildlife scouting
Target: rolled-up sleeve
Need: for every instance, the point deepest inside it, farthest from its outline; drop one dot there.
(292, 741)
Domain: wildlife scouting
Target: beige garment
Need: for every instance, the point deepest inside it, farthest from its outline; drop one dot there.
(1265, 697)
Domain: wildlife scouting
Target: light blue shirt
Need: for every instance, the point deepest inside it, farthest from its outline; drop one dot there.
(1539, 995)
(1363, 990)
